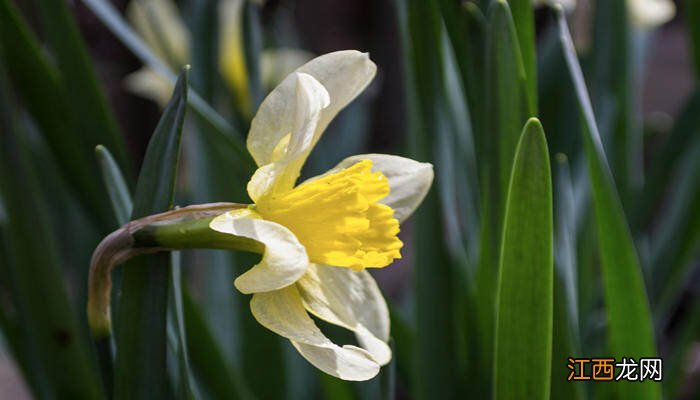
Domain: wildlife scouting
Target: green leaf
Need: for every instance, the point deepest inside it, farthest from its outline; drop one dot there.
(692, 16)
(140, 371)
(507, 111)
(666, 160)
(51, 348)
(176, 330)
(252, 46)
(612, 92)
(437, 374)
(116, 185)
(217, 378)
(95, 120)
(677, 236)
(524, 300)
(466, 27)
(525, 29)
(508, 105)
(564, 345)
(630, 331)
(41, 89)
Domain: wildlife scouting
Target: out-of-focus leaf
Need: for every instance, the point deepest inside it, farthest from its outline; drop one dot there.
(680, 354)
(565, 327)
(387, 378)
(612, 91)
(525, 293)
(43, 93)
(140, 370)
(334, 388)
(215, 375)
(116, 185)
(185, 389)
(630, 330)
(565, 249)
(564, 344)
(203, 22)
(666, 160)
(436, 365)
(466, 27)
(95, 120)
(525, 29)
(252, 46)
(508, 104)
(692, 16)
(54, 351)
(220, 129)
(677, 238)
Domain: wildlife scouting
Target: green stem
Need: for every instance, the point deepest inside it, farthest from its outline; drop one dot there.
(182, 228)
(192, 234)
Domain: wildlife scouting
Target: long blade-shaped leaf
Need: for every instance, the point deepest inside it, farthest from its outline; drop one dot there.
(525, 29)
(436, 365)
(49, 343)
(507, 110)
(630, 329)
(218, 379)
(523, 360)
(41, 89)
(692, 16)
(613, 91)
(96, 122)
(119, 193)
(141, 336)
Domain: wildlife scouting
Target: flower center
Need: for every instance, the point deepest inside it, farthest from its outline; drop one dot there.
(337, 218)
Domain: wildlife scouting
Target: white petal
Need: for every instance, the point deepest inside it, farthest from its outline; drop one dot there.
(282, 173)
(350, 299)
(344, 74)
(160, 25)
(409, 180)
(282, 312)
(648, 14)
(284, 261)
(149, 84)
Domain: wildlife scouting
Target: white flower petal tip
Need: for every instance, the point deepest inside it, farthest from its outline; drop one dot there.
(350, 299)
(409, 180)
(350, 363)
(284, 261)
(344, 74)
(282, 312)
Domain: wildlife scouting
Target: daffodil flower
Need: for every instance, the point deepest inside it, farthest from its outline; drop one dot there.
(317, 238)
(161, 26)
(322, 234)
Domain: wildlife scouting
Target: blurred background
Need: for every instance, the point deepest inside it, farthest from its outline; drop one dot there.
(431, 100)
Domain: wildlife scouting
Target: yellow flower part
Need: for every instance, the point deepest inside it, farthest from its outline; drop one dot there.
(231, 55)
(338, 218)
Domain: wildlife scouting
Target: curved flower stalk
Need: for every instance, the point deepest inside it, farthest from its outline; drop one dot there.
(316, 238)
(644, 14)
(161, 26)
